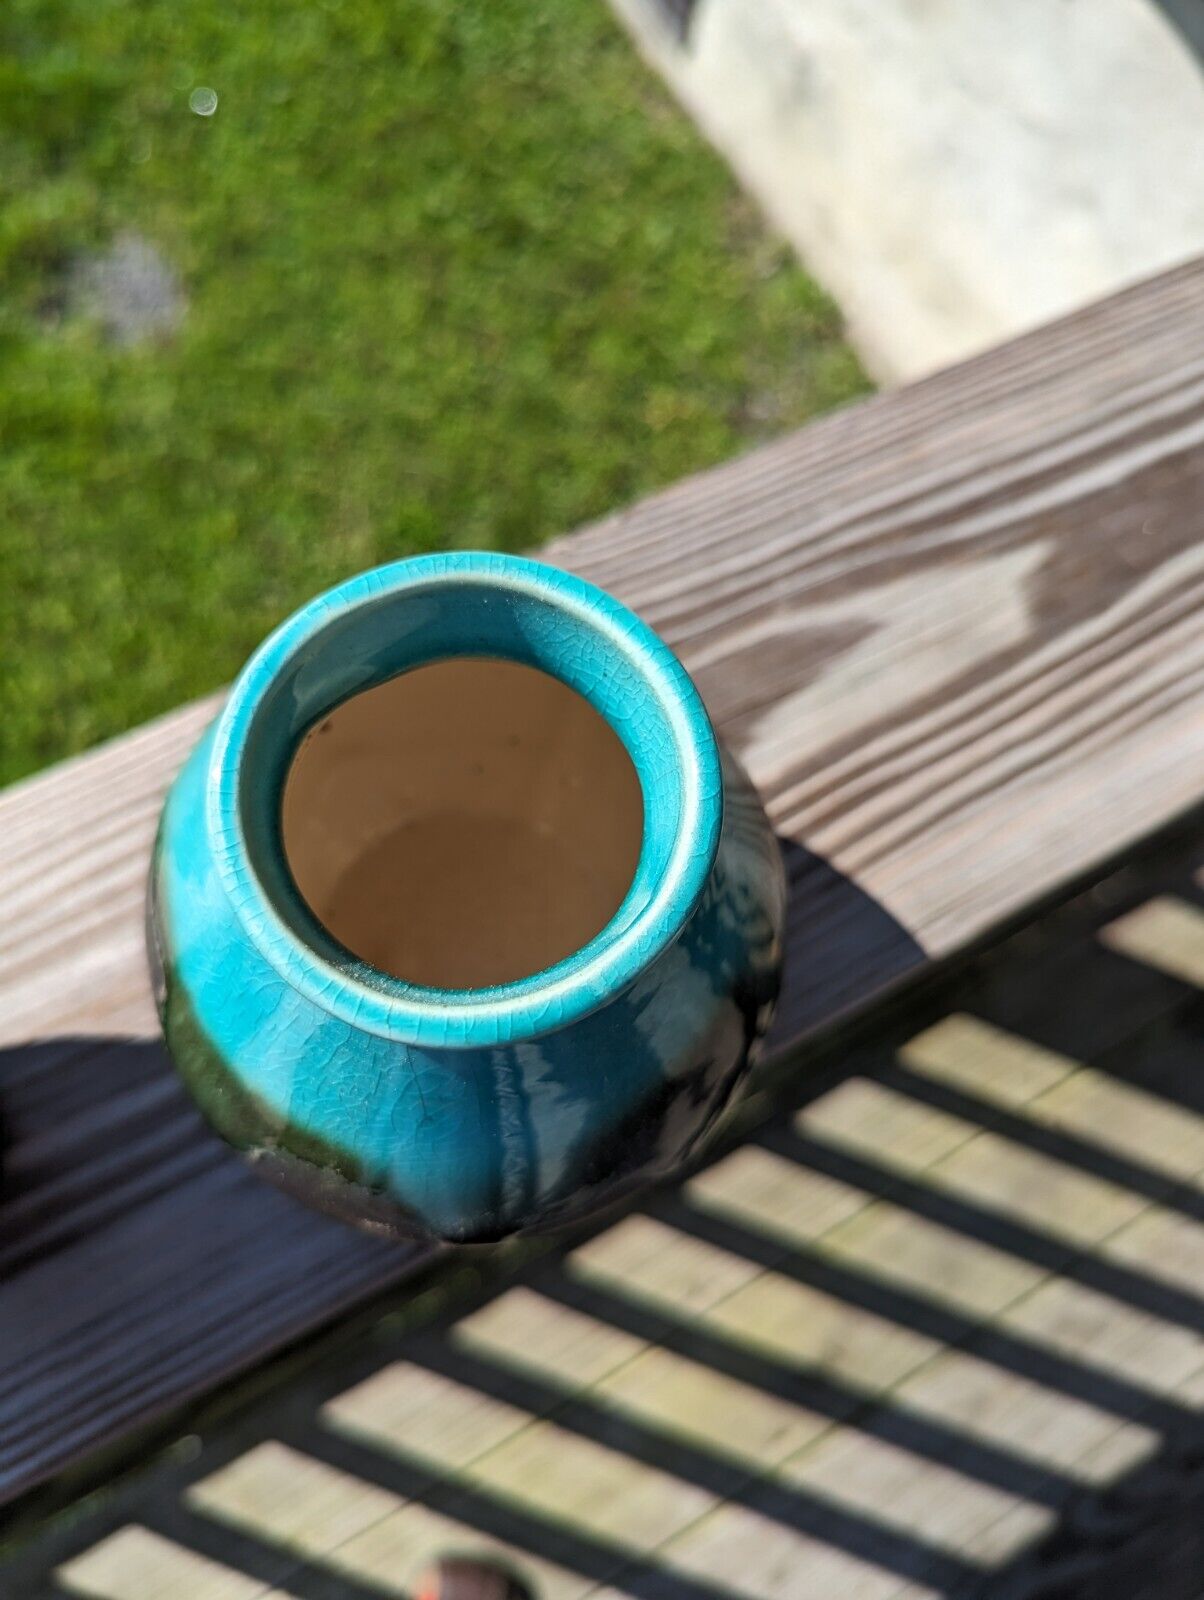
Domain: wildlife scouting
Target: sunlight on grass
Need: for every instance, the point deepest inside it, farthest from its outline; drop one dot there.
(427, 276)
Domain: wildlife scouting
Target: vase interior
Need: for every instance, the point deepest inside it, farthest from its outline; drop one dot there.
(464, 825)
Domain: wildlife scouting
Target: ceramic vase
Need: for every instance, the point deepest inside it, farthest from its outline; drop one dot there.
(460, 919)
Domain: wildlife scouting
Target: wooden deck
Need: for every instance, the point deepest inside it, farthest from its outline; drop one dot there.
(951, 1303)
(957, 635)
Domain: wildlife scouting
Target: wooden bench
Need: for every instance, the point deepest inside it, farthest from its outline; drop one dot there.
(957, 635)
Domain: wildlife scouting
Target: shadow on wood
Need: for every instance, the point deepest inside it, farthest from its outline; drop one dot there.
(840, 944)
(1096, 1009)
(141, 1261)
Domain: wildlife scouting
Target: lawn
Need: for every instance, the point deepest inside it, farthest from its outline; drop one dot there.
(450, 275)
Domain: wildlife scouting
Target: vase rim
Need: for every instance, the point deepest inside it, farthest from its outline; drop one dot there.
(655, 909)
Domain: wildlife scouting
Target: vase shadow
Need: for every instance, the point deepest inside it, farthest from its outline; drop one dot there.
(114, 1189)
(842, 947)
(92, 1127)
(100, 1135)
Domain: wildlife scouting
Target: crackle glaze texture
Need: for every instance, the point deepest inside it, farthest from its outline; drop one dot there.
(464, 1114)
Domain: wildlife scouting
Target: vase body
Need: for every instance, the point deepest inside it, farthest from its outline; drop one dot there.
(463, 1113)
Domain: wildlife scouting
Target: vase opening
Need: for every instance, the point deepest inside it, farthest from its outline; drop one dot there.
(411, 669)
(466, 824)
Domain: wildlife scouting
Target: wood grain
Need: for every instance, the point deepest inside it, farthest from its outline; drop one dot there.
(957, 635)
(742, 1388)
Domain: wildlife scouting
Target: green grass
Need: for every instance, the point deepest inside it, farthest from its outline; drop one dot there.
(457, 275)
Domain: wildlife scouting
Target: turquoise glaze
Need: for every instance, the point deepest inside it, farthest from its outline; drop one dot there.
(464, 1114)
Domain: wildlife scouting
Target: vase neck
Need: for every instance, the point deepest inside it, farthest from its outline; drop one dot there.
(387, 623)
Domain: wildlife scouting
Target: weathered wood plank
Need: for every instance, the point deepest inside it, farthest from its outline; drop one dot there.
(881, 1438)
(957, 634)
(139, 1565)
(313, 1510)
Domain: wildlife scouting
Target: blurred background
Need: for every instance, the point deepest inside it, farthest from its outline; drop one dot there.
(289, 291)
